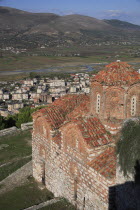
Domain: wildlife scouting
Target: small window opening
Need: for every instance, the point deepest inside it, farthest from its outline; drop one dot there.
(133, 106)
(98, 104)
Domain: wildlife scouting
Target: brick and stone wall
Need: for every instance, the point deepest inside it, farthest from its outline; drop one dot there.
(9, 131)
(115, 104)
(67, 173)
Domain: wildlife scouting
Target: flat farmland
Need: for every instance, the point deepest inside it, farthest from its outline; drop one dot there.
(11, 63)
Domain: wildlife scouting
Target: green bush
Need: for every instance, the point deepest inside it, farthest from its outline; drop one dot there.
(24, 116)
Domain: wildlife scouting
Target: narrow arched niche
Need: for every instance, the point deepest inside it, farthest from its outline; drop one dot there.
(42, 127)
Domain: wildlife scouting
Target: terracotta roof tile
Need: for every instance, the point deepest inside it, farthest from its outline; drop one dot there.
(81, 110)
(56, 113)
(118, 73)
(105, 163)
(93, 131)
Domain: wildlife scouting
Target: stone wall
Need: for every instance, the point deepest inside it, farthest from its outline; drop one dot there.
(26, 126)
(8, 131)
(67, 175)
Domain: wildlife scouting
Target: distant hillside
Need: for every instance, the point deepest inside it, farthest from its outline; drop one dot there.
(47, 23)
(20, 29)
(122, 24)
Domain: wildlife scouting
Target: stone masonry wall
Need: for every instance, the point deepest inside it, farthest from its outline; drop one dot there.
(68, 176)
(114, 103)
(9, 131)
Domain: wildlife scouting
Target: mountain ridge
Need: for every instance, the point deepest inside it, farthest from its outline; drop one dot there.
(29, 30)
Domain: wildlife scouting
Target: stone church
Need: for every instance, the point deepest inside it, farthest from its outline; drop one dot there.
(73, 144)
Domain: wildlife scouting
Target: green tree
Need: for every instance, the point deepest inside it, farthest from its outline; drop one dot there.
(11, 120)
(128, 147)
(24, 116)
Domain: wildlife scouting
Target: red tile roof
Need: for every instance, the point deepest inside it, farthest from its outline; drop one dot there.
(56, 113)
(81, 110)
(69, 102)
(105, 163)
(93, 131)
(117, 73)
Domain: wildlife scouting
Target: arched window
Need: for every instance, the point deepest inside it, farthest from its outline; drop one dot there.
(98, 103)
(133, 106)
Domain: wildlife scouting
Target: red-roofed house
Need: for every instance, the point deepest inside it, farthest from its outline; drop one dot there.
(73, 154)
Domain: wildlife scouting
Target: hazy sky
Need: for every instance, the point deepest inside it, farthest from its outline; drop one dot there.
(128, 10)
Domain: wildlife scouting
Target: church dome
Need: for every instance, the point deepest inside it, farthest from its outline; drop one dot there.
(117, 73)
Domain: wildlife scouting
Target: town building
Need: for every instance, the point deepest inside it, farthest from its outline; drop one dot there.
(44, 97)
(12, 107)
(28, 82)
(57, 83)
(17, 96)
(4, 112)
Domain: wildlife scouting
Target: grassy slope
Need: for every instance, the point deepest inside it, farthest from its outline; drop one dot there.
(10, 168)
(17, 148)
(28, 195)
(60, 205)
(24, 196)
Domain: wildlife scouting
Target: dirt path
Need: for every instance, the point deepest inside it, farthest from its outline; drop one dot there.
(16, 179)
(41, 205)
(14, 160)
